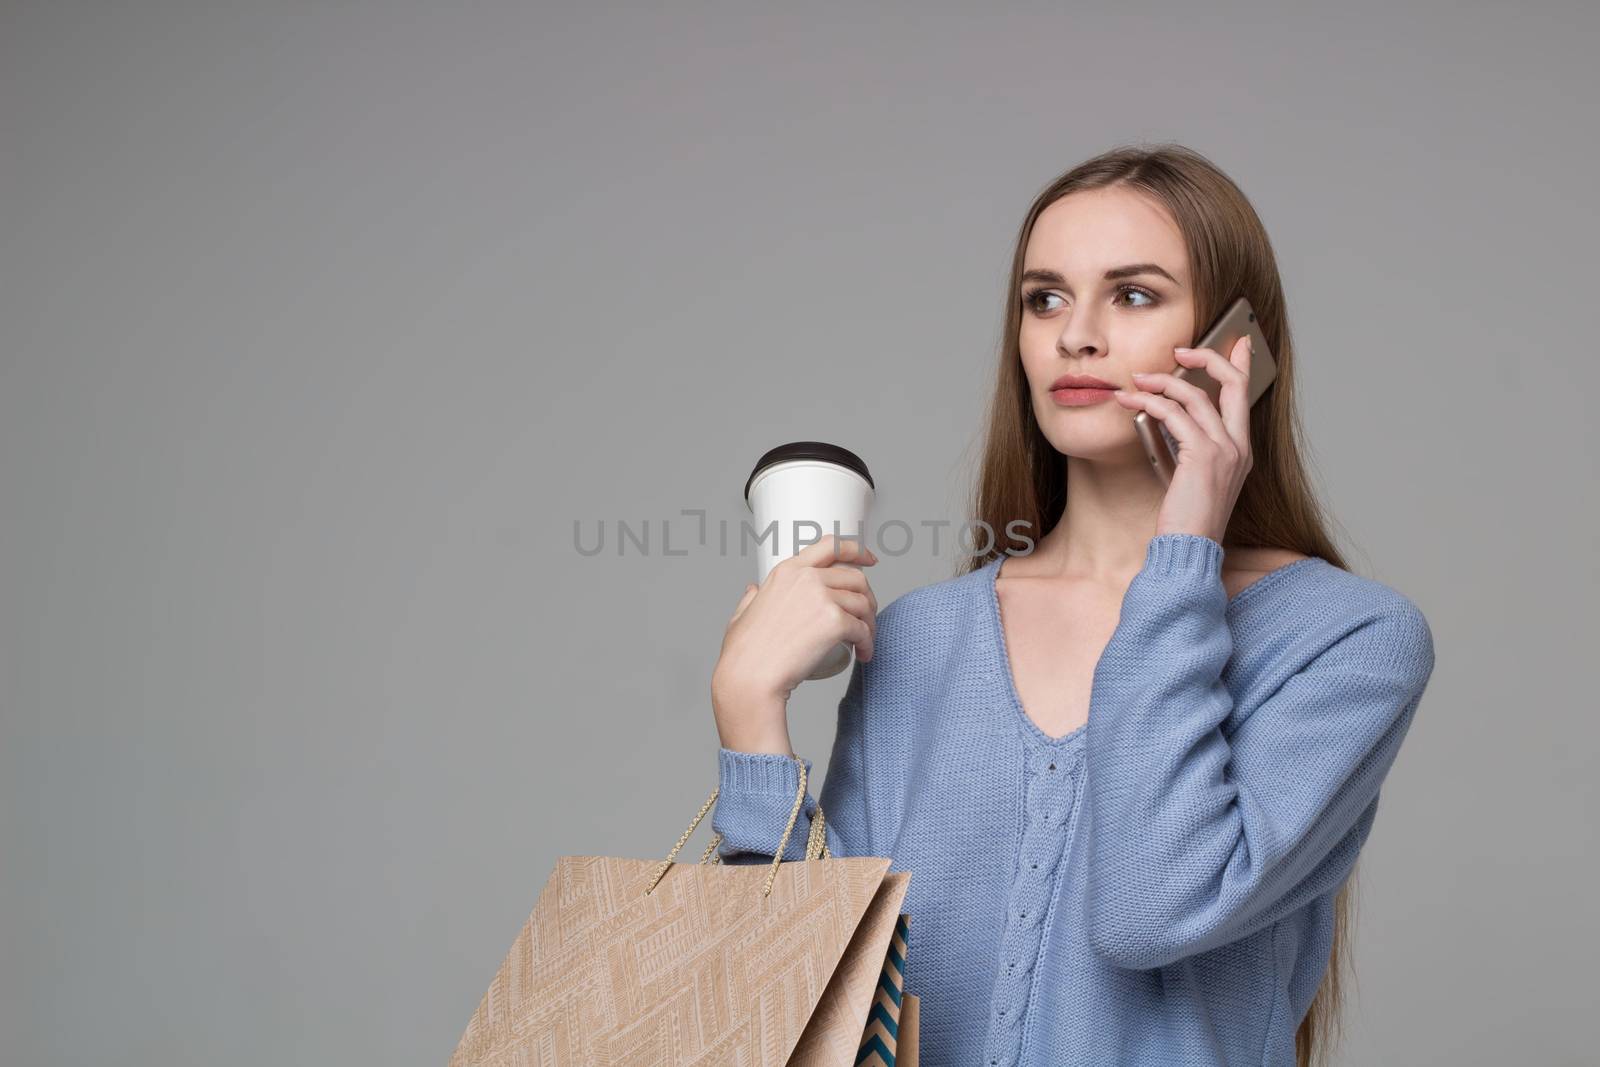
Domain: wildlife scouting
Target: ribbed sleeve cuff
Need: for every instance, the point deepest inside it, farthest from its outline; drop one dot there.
(1184, 555)
(759, 772)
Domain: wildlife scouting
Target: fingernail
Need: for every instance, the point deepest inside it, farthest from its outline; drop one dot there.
(1140, 374)
(1183, 350)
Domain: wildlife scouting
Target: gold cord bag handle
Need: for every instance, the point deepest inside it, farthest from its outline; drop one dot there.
(816, 842)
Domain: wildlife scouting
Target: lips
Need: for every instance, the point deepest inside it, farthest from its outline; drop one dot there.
(1081, 381)
(1080, 390)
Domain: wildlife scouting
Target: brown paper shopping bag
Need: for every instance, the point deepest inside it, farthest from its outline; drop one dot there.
(636, 962)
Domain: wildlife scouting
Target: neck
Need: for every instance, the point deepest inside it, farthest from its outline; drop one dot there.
(1110, 517)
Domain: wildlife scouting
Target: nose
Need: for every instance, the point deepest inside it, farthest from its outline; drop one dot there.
(1080, 335)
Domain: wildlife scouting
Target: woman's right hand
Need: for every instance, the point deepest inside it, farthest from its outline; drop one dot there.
(780, 630)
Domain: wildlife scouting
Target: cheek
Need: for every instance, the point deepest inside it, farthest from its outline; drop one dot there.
(1037, 344)
(1038, 369)
(1151, 350)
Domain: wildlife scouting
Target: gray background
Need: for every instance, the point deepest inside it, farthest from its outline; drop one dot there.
(321, 324)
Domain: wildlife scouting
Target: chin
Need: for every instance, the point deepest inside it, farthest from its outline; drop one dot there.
(1107, 445)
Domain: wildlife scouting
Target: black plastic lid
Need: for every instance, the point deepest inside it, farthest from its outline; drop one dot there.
(808, 450)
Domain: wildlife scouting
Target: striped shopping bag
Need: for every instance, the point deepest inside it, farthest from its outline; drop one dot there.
(890, 1037)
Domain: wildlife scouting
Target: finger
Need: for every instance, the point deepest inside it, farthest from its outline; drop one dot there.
(832, 549)
(857, 633)
(849, 578)
(750, 592)
(1234, 378)
(1236, 402)
(1172, 414)
(1195, 400)
(857, 604)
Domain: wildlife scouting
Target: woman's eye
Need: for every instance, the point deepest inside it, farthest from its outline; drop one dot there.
(1034, 300)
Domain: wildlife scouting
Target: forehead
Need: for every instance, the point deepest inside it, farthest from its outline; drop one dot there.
(1086, 232)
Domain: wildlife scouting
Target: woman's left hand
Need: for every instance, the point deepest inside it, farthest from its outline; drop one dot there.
(1213, 446)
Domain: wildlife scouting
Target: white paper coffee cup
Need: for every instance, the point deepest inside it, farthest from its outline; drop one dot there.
(805, 491)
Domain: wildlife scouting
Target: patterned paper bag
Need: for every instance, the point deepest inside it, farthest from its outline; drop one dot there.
(635, 962)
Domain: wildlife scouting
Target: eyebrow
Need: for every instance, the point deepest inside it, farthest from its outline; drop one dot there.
(1114, 274)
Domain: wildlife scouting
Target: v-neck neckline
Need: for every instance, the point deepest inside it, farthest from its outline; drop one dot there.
(1003, 654)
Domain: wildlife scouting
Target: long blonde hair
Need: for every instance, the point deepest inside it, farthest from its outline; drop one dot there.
(1023, 477)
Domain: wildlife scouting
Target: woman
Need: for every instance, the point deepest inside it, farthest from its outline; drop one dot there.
(1161, 879)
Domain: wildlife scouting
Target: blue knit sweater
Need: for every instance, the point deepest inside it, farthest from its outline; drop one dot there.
(1154, 888)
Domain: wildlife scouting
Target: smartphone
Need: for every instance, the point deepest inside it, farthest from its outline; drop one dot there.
(1236, 322)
